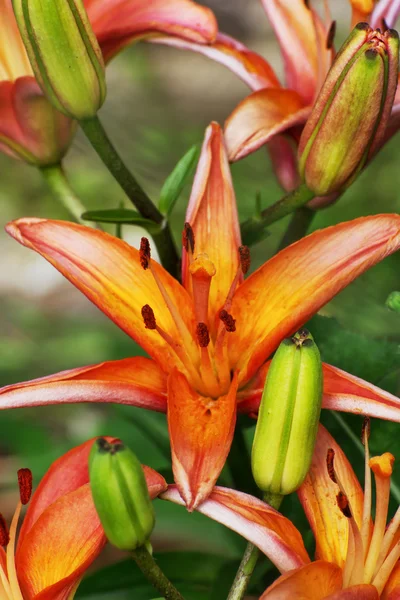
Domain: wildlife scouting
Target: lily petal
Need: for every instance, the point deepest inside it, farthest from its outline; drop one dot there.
(117, 23)
(356, 592)
(361, 11)
(212, 214)
(249, 66)
(315, 581)
(261, 116)
(201, 431)
(302, 38)
(137, 381)
(318, 497)
(392, 588)
(254, 520)
(108, 271)
(387, 10)
(293, 285)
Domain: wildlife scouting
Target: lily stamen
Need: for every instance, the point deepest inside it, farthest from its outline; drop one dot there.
(208, 373)
(367, 504)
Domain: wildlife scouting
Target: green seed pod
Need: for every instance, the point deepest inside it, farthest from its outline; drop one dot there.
(120, 495)
(64, 54)
(288, 417)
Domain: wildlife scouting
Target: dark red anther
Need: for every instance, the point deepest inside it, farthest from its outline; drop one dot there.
(144, 253)
(25, 485)
(343, 504)
(330, 457)
(331, 35)
(366, 430)
(148, 317)
(203, 336)
(188, 238)
(228, 321)
(4, 535)
(244, 257)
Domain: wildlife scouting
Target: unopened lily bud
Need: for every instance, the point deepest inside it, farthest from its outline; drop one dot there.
(288, 417)
(64, 54)
(120, 495)
(349, 118)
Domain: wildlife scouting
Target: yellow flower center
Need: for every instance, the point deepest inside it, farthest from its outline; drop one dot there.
(14, 60)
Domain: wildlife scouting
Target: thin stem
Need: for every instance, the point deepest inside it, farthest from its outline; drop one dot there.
(250, 557)
(252, 228)
(61, 189)
(300, 222)
(100, 141)
(154, 574)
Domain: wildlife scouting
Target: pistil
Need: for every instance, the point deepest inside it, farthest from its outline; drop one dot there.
(208, 373)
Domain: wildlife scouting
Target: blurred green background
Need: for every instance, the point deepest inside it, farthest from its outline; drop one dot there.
(160, 100)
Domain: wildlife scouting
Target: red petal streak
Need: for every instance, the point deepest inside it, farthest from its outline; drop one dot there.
(261, 116)
(108, 272)
(250, 67)
(311, 582)
(201, 431)
(292, 286)
(254, 520)
(137, 381)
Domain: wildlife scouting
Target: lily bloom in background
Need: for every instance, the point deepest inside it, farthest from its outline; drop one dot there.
(209, 339)
(355, 559)
(30, 128)
(61, 534)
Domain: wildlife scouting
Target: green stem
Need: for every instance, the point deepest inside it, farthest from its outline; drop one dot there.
(250, 557)
(61, 189)
(154, 574)
(252, 228)
(299, 224)
(100, 141)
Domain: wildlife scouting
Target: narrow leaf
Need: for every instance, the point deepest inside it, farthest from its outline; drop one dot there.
(176, 180)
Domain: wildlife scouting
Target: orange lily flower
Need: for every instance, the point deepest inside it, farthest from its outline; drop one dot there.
(209, 338)
(61, 534)
(355, 559)
(30, 128)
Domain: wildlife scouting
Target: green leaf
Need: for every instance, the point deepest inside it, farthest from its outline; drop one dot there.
(176, 180)
(121, 216)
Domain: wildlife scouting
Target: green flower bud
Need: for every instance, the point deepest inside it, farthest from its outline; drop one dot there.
(393, 301)
(349, 119)
(120, 495)
(288, 417)
(64, 54)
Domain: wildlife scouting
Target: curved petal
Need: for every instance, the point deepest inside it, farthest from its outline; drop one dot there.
(212, 214)
(302, 38)
(201, 431)
(310, 582)
(254, 520)
(342, 391)
(387, 10)
(60, 546)
(261, 116)
(117, 23)
(293, 285)
(392, 588)
(137, 381)
(283, 153)
(318, 497)
(356, 592)
(249, 66)
(108, 271)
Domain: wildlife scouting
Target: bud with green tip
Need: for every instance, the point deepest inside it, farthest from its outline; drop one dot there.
(349, 119)
(288, 417)
(120, 495)
(64, 54)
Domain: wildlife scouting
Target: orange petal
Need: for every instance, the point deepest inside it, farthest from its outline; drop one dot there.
(392, 588)
(60, 546)
(250, 67)
(254, 520)
(261, 116)
(293, 285)
(108, 271)
(356, 592)
(318, 497)
(311, 582)
(212, 213)
(201, 431)
(119, 22)
(361, 11)
(137, 381)
(302, 38)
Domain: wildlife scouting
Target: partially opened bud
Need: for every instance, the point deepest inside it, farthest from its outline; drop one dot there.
(120, 495)
(288, 417)
(349, 118)
(64, 54)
